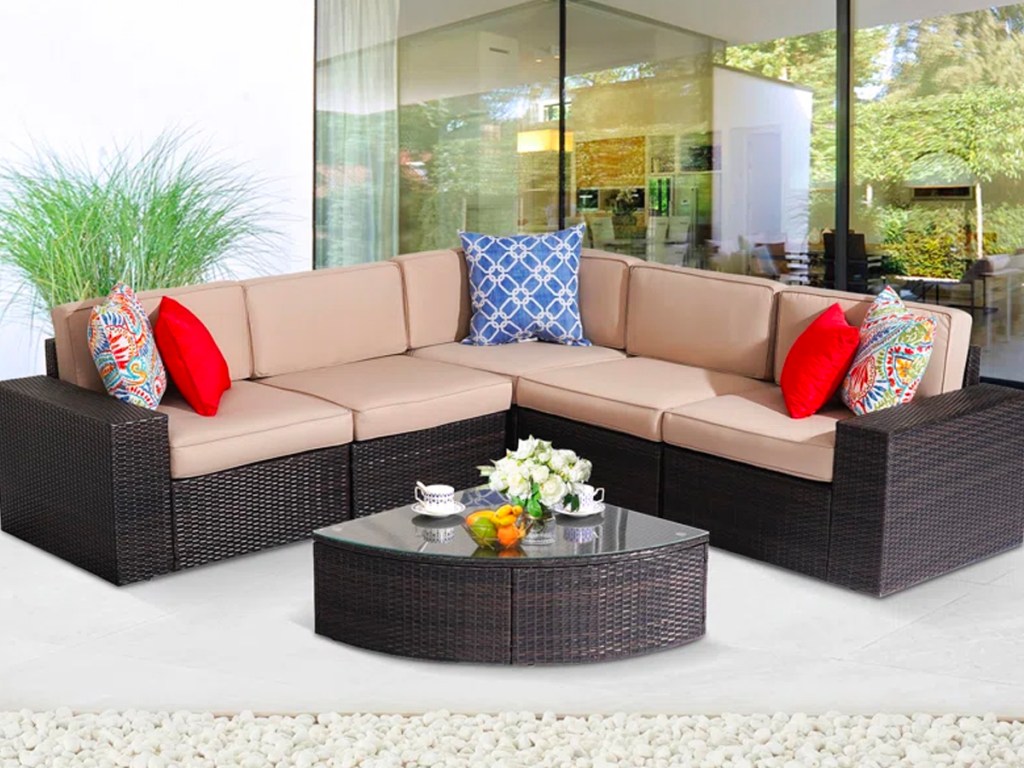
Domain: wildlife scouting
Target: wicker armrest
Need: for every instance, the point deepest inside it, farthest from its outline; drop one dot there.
(85, 477)
(924, 488)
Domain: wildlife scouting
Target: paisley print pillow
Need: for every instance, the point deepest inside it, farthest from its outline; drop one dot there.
(892, 356)
(124, 350)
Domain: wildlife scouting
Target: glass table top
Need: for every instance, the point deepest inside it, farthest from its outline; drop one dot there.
(612, 531)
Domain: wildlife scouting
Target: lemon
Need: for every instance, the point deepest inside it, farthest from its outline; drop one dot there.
(483, 528)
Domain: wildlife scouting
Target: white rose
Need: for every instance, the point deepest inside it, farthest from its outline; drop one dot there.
(569, 457)
(498, 481)
(525, 449)
(543, 455)
(577, 472)
(519, 487)
(507, 465)
(540, 473)
(585, 468)
(552, 491)
(557, 462)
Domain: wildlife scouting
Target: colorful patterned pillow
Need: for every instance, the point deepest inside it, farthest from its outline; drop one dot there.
(525, 287)
(893, 354)
(124, 350)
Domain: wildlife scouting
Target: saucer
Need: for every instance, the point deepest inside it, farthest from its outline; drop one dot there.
(596, 509)
(590, 521)
(425, 523)
(455, 509)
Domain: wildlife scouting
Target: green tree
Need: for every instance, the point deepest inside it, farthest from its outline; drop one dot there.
(955, 53)
(810, 60)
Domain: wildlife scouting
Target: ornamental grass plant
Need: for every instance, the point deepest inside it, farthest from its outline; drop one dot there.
(167, 215)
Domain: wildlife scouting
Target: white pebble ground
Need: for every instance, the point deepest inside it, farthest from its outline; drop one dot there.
(161, 740)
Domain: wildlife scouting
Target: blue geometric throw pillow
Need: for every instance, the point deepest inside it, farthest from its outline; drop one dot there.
(525, 287)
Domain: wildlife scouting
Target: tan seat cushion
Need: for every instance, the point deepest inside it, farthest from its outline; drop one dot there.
(625, 395)
(700, 318)
(515, 360)
(438, 307)
(254, 423)
(798, 307)
(755, 428)
(393, 395)
(220, 307)
(325, 317)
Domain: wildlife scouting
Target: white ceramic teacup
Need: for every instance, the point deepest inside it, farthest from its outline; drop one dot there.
(589, 496)
(436, 498)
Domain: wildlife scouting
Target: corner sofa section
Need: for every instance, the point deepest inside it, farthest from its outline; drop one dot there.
(693, 426)
(351, 384)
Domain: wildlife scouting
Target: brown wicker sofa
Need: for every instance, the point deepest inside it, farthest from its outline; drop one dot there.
(350, 384)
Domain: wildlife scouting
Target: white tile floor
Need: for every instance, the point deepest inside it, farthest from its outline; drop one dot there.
(238, 635)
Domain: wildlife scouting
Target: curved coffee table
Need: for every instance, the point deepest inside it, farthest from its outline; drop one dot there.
(614, 585)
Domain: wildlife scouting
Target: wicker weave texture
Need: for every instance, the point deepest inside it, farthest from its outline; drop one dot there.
(628, 467)
(515, 612)
(972, 374)
(926, 488)
(410, 608)
(85, 477)
(50, 353)
(385, 470)
(623, 606)
(767, 515)
(260, 505)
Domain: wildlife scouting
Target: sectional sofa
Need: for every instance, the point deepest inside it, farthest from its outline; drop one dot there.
(350, 384)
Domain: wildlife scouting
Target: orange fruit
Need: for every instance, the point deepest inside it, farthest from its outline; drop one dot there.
(508, 535)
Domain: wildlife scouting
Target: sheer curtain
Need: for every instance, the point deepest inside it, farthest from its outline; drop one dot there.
(356, 175)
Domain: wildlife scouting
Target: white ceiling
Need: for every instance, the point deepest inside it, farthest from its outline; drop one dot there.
(735, 21)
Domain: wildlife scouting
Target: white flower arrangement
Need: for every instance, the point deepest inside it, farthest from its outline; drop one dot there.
(537, 475)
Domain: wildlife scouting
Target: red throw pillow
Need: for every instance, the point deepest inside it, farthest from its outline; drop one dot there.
(191, 356)
(817, 362)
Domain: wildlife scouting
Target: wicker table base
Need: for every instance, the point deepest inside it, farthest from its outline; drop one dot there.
(511, 611)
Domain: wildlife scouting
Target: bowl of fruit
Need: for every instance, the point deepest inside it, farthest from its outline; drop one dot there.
(498, 529)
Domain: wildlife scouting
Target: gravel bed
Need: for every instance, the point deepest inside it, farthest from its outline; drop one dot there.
(165, 739)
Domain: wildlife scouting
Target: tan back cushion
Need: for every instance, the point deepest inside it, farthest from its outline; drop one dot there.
(220, 306)
(798, 307)
(705, 319)
(436, 297)
(604, 291)
(325, 317)
(438, 306)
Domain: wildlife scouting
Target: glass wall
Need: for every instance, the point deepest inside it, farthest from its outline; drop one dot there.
(938, 162)
(696, 150)
(699, 137)
(640, 113)
(355, 188)
(775, 124)
(478, 127)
